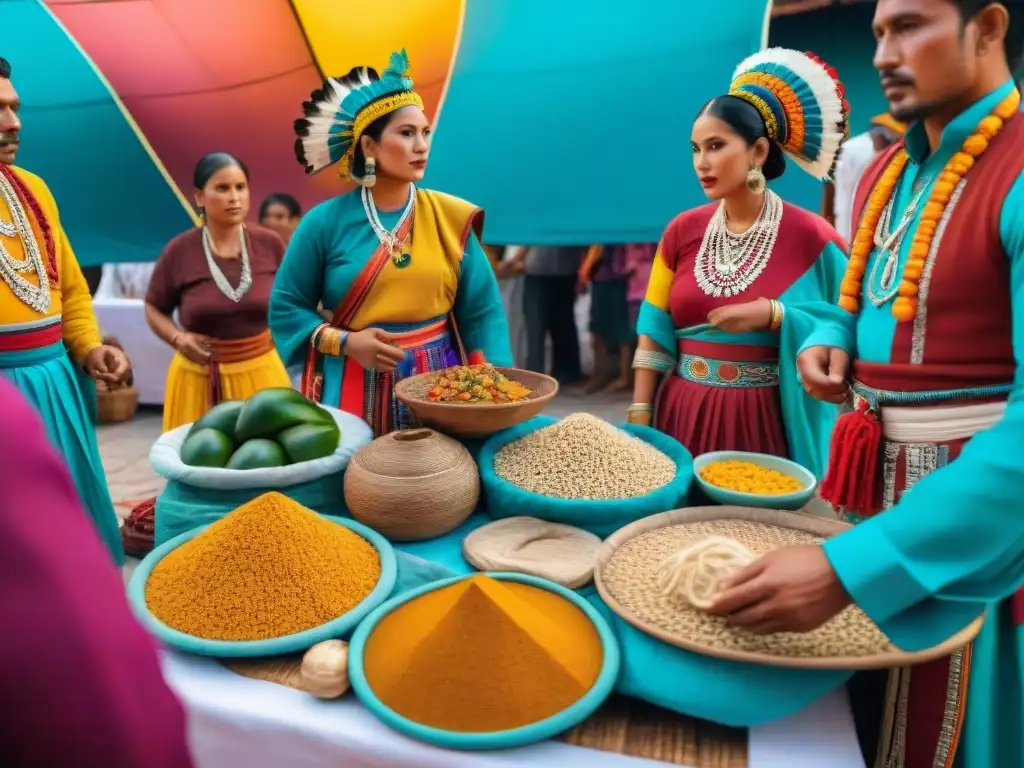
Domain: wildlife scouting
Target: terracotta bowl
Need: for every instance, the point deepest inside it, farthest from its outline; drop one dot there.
(477, 419)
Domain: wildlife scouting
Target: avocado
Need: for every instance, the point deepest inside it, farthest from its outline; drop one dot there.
(223, 417)
(305, 442)
(258, 454)
(207, 448)
(270, 411)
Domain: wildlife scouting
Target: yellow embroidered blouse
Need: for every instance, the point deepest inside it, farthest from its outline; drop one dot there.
(70, 300)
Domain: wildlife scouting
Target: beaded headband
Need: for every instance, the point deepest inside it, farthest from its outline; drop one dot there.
(802, 103)
(338, 114)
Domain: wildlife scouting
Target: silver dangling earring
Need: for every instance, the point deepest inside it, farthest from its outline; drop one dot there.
(756, 181)
(369, 172)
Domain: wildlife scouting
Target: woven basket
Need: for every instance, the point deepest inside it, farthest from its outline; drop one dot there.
(625, 578)
(478, 419)
(412, 485)
(114, 406)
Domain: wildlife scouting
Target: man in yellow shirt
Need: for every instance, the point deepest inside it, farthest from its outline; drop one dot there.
(48, 332)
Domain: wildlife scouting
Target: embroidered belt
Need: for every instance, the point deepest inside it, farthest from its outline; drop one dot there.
(21, 337)
(233, 351)
(725, 373)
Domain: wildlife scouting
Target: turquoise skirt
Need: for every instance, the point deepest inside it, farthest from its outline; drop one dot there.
(65, 399)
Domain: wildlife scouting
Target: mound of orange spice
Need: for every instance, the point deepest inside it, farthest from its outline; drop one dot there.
(269, 568)
(483, 655)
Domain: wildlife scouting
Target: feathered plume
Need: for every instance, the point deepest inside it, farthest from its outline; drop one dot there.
(325, 132)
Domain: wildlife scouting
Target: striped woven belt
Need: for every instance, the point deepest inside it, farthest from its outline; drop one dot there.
(723, 373)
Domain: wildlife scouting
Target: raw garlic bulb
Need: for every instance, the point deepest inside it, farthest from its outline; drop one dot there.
(325, 669)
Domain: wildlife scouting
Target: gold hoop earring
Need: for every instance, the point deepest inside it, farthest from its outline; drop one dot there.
(369, 172)
(756, 181)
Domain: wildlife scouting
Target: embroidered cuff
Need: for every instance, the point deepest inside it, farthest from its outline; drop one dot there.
(653, 361)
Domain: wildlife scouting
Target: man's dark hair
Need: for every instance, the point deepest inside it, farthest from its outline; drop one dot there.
(1014, 42)
(5, 68)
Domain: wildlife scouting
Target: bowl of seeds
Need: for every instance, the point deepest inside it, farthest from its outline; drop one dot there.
(745, 479)
(476, 400)
(583, 471)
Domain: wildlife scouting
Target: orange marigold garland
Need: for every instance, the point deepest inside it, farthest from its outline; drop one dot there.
(904, 308)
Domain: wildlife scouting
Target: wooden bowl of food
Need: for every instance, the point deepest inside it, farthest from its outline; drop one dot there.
(477, 400)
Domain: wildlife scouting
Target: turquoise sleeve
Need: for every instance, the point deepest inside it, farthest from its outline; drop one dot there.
(657, 325)
(808, 303)
(298, 289)
(923, 569)
(479, 311)
(833, 325)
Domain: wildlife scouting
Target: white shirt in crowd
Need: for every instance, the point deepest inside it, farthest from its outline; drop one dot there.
(853, 160)
(125, 281)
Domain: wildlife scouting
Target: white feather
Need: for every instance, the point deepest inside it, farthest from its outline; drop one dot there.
(826, 93)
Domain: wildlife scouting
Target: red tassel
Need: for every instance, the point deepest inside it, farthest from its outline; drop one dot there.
(853, 462)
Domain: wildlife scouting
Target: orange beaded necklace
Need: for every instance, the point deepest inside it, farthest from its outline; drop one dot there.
(904, 308)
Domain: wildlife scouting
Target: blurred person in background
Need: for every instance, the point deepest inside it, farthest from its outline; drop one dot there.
(48, 330)
(82, 681)
(411, 288)
(129, 280)
(605, 272)
(734, 282)
(510, 280)
(854, 158)
(280, 212)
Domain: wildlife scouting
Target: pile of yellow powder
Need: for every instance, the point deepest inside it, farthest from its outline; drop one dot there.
(269, 568)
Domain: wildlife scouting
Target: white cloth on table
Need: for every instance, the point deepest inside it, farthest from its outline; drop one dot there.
(235, 721)
(125, 319)
(125, 281)
(853, 161)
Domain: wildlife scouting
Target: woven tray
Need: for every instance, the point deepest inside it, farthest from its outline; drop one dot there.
(622, 726)
(625, 576)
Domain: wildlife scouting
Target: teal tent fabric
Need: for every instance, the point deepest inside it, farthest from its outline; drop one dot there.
(114, 202)
(569, 122)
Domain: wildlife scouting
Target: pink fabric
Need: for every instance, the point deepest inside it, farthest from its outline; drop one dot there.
(639, 260)
(81, 680)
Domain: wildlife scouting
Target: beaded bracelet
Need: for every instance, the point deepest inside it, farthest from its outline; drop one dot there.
(653, 361)
(330, 341)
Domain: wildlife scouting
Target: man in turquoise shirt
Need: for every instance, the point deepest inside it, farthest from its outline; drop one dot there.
(936, 335)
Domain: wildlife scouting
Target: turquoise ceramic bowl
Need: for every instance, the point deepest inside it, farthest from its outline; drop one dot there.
(516, 737)
(295, 643)
(790, 501)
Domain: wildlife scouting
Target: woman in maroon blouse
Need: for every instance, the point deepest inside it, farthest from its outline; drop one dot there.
(218, 279)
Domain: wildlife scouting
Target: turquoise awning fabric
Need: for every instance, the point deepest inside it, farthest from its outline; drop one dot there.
(569, 122)
(115, 203)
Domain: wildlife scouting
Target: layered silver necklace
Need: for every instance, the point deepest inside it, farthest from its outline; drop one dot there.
(36, 296)
(244, 282)
(727, 263)
(389, 237)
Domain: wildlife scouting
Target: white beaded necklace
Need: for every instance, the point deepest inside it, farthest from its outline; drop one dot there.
(244, 282)
(389, 237)
(728, 264)
(36, 296)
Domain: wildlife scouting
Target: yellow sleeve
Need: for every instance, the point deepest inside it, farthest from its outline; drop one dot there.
(81, 331)
(660, 282)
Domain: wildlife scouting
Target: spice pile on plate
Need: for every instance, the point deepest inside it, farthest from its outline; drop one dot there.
(748, 477)
(483, 655)
(268, 569)
(584, 457)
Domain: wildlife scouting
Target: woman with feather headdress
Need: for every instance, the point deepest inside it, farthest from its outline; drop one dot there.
(735, 283)
(402, 267)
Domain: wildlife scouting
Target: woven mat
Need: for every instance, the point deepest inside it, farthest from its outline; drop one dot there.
(622, 726)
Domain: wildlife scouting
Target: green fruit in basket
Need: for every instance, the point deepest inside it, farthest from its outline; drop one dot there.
(258, 454)
(270, 411)
(223, 417)
(305, 442)
(207, 448)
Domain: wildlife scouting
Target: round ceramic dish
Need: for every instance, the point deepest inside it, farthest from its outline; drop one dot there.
(516, 737)
(480, 419)
(275, 646)
(788, 501)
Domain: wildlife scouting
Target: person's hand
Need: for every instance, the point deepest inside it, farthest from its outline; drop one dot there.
(193, 346)
(793, 589)
(742, 318)
(823, 371)
(372, 348)
(109, 365)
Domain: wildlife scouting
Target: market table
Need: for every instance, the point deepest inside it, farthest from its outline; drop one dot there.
(234, 720)
(125, 319)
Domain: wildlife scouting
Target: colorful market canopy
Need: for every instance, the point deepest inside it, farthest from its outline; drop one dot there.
(568, 121)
